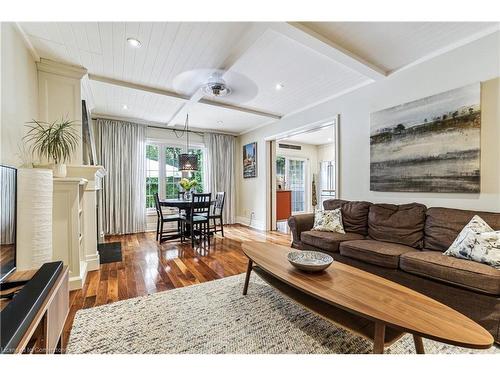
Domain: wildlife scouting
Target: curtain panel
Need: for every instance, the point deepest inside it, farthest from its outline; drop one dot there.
(221, 171)
(121, 149)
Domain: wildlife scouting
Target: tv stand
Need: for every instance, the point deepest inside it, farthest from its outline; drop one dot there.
(33, 321)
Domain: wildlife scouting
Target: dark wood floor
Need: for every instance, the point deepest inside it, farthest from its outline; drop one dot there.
(149, 267)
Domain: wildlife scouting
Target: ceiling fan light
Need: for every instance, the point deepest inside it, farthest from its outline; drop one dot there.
(216, 86)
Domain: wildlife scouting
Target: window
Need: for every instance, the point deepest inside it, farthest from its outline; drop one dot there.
(152, 172)
(163, 175)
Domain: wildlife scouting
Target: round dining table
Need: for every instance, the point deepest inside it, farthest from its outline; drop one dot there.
(179, 203)
(182, 205)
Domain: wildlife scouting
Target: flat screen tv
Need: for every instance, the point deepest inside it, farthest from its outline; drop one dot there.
(8, 184)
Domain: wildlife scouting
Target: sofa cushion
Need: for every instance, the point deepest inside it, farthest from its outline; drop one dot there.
(354, 214)
(328, 241)
(442, 225)
(403, 224)
(461, 272)
(384, 254)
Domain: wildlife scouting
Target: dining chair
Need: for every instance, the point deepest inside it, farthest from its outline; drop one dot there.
(216, 212)
(162, 218)
(197, 218)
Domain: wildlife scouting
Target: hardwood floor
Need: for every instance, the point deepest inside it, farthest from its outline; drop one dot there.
(149, 267)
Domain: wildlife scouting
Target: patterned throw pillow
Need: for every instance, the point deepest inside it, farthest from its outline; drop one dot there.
(477, 242)
(328, 221)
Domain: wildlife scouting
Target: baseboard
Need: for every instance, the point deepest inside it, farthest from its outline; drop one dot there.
(256, 224)
(92, 262)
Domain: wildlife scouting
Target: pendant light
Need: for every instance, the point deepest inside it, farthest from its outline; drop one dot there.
(187, 162)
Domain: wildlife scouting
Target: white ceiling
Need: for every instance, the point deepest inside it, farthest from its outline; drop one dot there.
(392, 45)
(318, 137)
(314, 61)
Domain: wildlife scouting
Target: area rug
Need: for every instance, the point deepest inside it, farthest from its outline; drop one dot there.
(214, 317)
(110, 252)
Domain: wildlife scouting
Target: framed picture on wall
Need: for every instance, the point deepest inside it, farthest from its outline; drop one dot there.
(428, 145)
(250, 160)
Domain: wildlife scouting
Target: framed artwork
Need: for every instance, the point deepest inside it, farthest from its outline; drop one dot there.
(428, 145)
(250, 160)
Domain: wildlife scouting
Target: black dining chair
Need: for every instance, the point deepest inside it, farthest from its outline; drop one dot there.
(216, 213)
(162, 218)
(197, 218)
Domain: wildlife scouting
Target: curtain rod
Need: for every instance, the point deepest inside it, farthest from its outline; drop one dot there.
(158, 127)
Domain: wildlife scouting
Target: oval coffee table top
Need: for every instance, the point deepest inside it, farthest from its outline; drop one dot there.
(373, 297)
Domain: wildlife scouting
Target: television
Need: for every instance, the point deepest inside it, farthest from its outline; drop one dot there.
(8, 196)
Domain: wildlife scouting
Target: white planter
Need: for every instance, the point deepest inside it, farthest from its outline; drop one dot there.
(59, 170)
(34, 218)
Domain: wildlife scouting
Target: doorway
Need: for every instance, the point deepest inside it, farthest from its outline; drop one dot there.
(303, 173)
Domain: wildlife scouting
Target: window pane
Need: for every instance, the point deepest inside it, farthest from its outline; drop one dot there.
(297, 184)
(172, 173)
(280, 171)
(198, 175)
(151, 174)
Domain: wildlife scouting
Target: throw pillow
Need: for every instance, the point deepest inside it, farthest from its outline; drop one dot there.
(477, 242)
(328, 221)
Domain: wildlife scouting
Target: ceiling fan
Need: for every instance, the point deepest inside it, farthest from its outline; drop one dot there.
(216, 83)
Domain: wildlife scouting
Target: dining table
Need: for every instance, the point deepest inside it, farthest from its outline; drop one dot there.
(182, 205)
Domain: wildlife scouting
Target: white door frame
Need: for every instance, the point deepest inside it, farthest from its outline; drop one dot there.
(271, 163)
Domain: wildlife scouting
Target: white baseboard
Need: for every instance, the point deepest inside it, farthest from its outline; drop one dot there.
(257, 224)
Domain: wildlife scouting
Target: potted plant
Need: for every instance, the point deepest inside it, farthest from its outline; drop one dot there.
(54, 141)
(187, 185)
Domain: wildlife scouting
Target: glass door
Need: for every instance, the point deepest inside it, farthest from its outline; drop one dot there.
(291, 175)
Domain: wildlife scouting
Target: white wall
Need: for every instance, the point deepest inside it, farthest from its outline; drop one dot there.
(326, 152)
(478, 61)
(19, 93)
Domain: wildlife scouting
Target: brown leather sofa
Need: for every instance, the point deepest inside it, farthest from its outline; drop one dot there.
(405, 243)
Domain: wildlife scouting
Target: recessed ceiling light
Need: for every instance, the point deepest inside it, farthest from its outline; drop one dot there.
(220, 122)
(329, 139)
(124, 107)
(134, 42)
(279, 86)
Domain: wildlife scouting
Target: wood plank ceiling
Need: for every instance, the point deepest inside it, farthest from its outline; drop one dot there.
(313, 62)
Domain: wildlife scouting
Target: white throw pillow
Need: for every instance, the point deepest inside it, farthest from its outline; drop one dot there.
(477, 242)
(328, 221)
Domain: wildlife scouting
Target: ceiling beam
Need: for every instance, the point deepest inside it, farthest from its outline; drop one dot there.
(304, 35)
(184, 98)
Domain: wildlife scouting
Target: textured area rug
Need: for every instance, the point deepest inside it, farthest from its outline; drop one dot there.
(214, 317)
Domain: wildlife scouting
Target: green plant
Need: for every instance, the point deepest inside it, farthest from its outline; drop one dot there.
(56, 140)
(187, 184)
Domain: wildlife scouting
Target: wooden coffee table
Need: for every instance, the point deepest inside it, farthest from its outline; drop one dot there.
(365, 304)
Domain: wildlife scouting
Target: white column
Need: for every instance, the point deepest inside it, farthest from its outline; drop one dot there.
(89, 228)
(59, 96)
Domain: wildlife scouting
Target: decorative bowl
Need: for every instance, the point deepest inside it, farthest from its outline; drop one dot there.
(311, 261)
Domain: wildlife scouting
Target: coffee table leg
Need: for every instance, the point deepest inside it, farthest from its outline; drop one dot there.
(247, 277)
(419, 344)
(379, 338)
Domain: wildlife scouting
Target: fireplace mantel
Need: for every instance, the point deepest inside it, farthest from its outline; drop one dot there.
(94, 175)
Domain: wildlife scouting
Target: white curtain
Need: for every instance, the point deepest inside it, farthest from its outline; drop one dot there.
(221, 174)
(121, 148)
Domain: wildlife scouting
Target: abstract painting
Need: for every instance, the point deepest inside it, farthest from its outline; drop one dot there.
(428, 145)
(250, 160)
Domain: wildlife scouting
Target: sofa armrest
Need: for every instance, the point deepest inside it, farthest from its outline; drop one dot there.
(299, 224)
